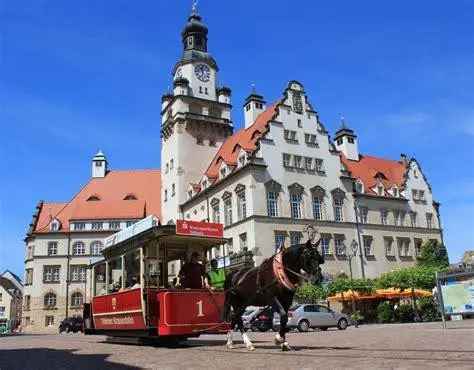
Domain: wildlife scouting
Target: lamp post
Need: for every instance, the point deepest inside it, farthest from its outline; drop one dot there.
(352, 253)
(356, 212)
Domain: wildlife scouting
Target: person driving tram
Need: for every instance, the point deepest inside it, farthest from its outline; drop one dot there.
(193, 274)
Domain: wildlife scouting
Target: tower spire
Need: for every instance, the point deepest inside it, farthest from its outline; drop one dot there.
(194, 9)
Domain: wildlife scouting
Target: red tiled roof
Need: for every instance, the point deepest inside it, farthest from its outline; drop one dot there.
(111, 189)
(368, 168)
(245, 139)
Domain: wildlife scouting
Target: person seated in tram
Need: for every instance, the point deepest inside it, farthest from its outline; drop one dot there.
(193, 274)
(216, 276)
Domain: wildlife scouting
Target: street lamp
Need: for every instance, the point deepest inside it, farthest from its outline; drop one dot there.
(356, 211)
(352, 253)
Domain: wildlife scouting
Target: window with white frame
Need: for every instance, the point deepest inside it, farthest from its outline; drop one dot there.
(96, 248)
(77, 299)
(114, 225)
(413, 219)
(96, 226)
(429, 220)
(388, 243)
(383, 216)
(227, 210)
(52, 248)
(26, 302)
(298, 161)
(30, 250)
(242, 160)
(290, 136)
(78, 249)
(2, 311)
(368, 250)
(308, 163)
(279, 240)
(167, 168)
(317, 207)
(216, 212)
(340, 246)
(241, 204)
(49, 321)
(396, 217)
(295, 237)
(272, 203)
(363, 214)
(223, 172)
(286, 160)
(418, 243)
(338, 204)
(230, 246)
(28, 276)
(359, 187)
(296, 202)
(78, 273)
(130, 223)
(173, 190)
(402, 218)
(310, 139)
(404, 247)
(243, 241)
(165, 195)
(171, 164)
(319, 165)
(50, 300)
(51, 273)
(421, 194)
(79, 226)
(380, 190)
(325, 246)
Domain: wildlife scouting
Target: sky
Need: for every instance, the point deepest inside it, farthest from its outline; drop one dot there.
(76, 77)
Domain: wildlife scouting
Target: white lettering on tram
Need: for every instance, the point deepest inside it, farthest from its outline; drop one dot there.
(127, 320)
(200, 313)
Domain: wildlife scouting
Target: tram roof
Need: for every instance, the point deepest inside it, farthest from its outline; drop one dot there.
(163, 234)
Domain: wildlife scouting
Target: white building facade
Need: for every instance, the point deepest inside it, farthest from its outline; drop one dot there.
(282, 172)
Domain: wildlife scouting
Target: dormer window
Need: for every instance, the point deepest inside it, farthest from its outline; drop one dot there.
(350, 140)
(130, 197)
(93, 198)
(55, 225)
(380, 190)
(247, 107)
(339, 141)
(359, 187)
(242, 160)
(395, 192)
(98, 164)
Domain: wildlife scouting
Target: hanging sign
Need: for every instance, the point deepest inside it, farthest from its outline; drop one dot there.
(195, 228)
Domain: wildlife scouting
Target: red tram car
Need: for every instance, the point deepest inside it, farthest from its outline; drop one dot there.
(131, 292)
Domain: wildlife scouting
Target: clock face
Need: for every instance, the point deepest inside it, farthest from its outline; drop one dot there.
(203, 73)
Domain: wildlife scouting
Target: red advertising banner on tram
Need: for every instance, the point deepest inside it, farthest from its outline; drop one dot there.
(195, 228)
(119, 311)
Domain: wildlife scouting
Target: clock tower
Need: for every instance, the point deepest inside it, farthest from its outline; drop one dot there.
(196, 119)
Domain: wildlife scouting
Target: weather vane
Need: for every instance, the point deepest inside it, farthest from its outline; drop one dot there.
(194, 6)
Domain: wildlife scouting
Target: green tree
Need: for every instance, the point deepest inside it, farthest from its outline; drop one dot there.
(421, 277)
(433, 253)
(310, 293)
(365, 286)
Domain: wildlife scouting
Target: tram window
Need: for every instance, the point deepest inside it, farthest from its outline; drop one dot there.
(132, 270)
(99, 273)
(115, 275)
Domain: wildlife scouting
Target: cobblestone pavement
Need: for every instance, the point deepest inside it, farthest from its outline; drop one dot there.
(367, 347)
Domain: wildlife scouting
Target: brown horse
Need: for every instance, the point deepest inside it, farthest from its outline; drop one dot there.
(273, 283)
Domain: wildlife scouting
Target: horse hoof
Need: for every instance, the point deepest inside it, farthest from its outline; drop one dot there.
(251, 348)
(229, 346)
(278, 340)
(285, 347)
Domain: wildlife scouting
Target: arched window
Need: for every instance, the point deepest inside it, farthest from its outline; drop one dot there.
(50, 300)
(77, 299)
(78, 249)
(273, 190)
(318, 194)
(338, 203)
(227, 199)
(96, 248)
(216, 214)
(296, 200)
(241, 202)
